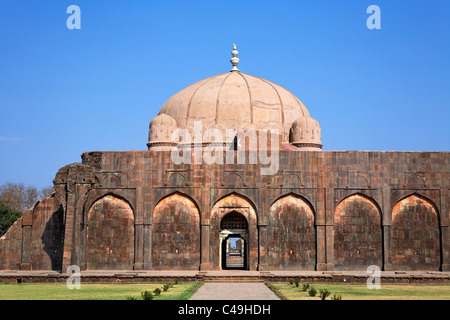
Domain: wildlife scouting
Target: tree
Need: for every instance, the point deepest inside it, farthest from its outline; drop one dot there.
(46, 192)
(19, 197)
(16, 198)
(7, 217)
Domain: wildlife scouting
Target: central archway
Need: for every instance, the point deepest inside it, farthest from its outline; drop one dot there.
(234, 241)
(234, 223)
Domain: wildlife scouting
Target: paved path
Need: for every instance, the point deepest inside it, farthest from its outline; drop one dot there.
(234, 291)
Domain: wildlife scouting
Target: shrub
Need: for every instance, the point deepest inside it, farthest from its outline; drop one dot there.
(305, 287)
(324, 293)
(157, 291)
(146, 295)
(297, 282)
(175, 281)
(166, 287)
(336, 297)
(7, 218)
(131, 298)
(312, 291)
(291, 281)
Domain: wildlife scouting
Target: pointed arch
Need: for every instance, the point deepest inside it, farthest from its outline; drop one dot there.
(358, 236)
(177, 179)
(176, 233)
(110, 234)
(420, 196)
(233, 179)
(181, 194)
(415, 234)
(296, 195)
(236, 202)
(90, 203)
(291, 234)
(238, 195)
(367, 197)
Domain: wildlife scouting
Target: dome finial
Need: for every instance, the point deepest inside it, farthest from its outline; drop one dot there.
(235, 60)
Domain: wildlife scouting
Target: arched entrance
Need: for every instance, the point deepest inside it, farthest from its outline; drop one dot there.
(234, 241)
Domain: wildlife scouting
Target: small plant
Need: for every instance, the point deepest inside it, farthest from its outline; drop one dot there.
(146, 295)
(175, 281)
(291, 281)
(157, 291)
(131, 298)
(297, 282)
(336, 297)
(312, 291)
(166, 287)
(305, 287)
(170, 285)
(324, 293)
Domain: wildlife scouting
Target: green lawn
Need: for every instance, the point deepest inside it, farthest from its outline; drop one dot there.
(181, 291)
(361, 292)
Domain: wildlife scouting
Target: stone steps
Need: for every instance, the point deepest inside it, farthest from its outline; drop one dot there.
(233, 279)
(235, 262)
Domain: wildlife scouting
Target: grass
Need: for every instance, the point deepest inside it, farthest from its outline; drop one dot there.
(361, 292)
(181, 291)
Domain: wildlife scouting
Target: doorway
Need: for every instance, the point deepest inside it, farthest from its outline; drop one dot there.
(234, 242)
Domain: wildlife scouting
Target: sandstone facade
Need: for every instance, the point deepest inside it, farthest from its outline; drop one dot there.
(323, 210)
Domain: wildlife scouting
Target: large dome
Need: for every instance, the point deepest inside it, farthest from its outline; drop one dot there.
(232, 100)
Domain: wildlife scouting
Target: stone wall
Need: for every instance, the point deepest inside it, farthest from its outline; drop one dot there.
(358, 238)
(176, 234)
(110, 235)
(291, 235)
(415, 235)
(36, 240)
(322, 210)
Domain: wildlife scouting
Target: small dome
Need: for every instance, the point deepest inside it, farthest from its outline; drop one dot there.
(305, 134)
(160, 132)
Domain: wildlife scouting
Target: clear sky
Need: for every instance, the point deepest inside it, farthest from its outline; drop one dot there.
(64, 92)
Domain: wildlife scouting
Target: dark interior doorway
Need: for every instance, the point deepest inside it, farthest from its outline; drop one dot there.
(234, 242)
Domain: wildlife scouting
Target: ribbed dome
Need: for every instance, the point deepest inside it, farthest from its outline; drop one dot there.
(235, 100)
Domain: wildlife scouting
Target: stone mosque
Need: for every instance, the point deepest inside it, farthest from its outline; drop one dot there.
(316, 210)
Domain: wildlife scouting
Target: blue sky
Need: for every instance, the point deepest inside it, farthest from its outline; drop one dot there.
(64, 92)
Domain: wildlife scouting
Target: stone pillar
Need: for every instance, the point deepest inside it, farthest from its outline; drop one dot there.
(263, 265)
(329, 228)
(138, 246)
(147, 243)
(205, 229)
(329, 240)
(387, 260)
(147, 214)
(26, 242)
(320, 218)
(321, 248)
(445, 249)
(79, 227)
(387, 223)
(139, 230)
(204, 265)
(69, 230)
(262, 229)
(445, 235)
